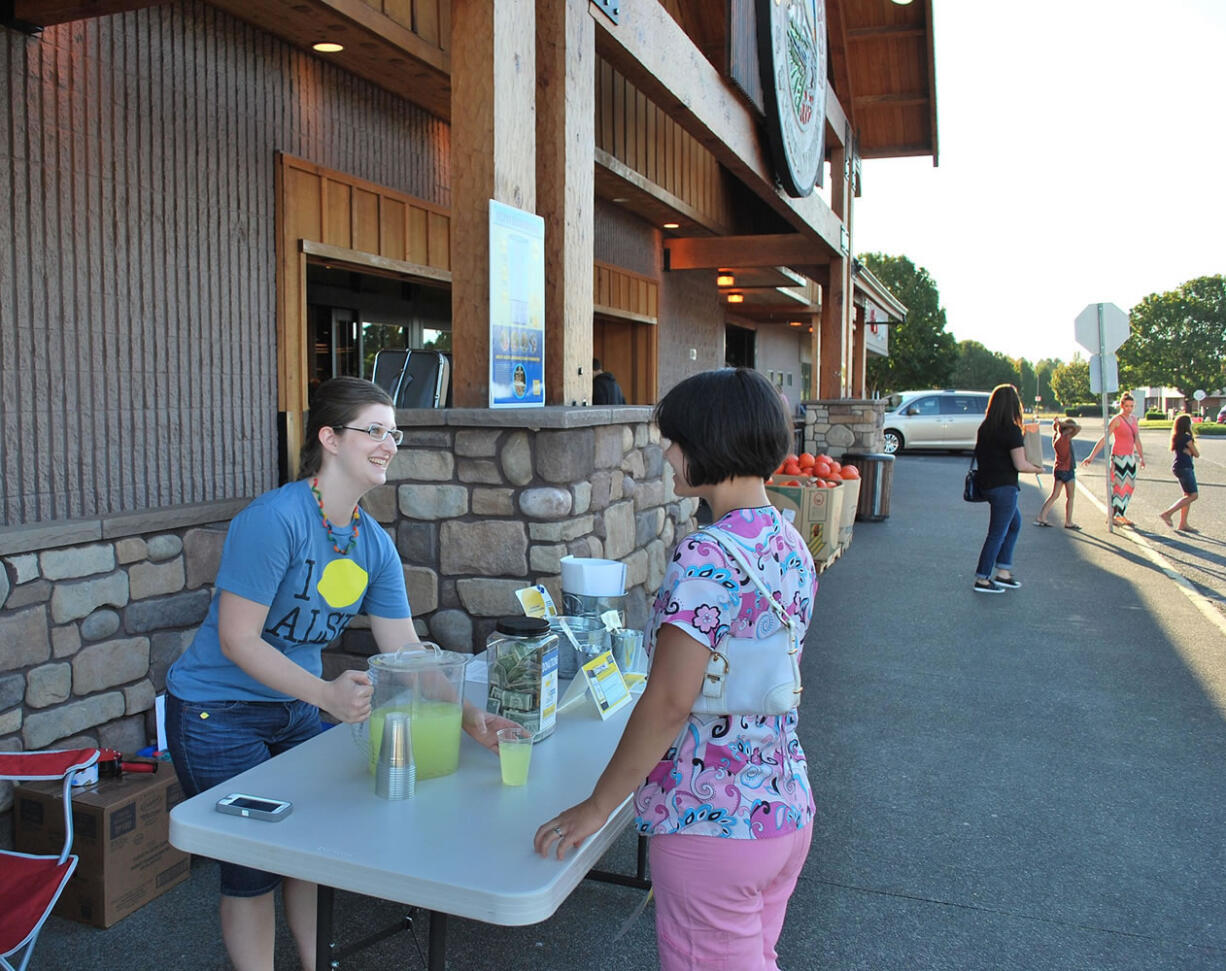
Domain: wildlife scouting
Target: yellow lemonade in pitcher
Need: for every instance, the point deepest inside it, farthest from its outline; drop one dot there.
(434, 727)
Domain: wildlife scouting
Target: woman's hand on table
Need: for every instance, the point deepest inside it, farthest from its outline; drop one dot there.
(569, 828)
(347, 697)
(483, 727)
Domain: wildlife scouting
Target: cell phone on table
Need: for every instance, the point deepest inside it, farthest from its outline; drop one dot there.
(254, 807)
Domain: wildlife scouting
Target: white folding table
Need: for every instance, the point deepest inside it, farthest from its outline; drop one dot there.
(462, 846)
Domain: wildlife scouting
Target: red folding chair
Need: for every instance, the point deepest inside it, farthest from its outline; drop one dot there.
(30, 885)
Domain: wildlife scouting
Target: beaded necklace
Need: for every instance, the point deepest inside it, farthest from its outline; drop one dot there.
(328, 526)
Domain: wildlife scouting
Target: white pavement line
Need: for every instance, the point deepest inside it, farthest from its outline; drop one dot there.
(1201, 602)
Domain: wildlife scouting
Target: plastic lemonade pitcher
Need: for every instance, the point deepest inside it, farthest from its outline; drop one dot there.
(425, 683)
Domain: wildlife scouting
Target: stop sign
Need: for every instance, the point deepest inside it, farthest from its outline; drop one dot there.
(1115, 328)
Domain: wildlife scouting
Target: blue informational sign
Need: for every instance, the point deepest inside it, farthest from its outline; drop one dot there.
(517, 308)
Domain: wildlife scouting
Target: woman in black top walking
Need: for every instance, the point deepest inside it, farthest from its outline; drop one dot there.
(1001, 456)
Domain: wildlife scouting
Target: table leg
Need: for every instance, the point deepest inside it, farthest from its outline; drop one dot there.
(438, 941)
(323, 928)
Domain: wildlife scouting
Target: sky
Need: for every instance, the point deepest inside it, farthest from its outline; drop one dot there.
(1082, 159)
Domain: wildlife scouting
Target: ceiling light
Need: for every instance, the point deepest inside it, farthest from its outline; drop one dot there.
(795, 323)
(620, 199)
(725, 280)
(736, 298)
(672, 225)
(328, 47)
(902, 3)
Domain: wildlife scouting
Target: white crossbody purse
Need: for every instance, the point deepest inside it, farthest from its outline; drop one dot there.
(752, 676)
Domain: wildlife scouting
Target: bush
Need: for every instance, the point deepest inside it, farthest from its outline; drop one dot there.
(1155, 414)
(1085, 411)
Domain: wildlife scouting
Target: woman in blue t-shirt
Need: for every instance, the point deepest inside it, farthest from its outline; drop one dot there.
(725, 798)
(299, 563)
(1001, 455)
(1183, 444)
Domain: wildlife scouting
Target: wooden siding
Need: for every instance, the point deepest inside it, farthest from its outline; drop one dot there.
(428, 19)
(321, 205)
(137, 240)
(618, 293)
(640, 135)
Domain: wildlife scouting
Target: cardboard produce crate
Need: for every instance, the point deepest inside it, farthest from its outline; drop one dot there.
(851, 500)
(120, 832)
(817, 515)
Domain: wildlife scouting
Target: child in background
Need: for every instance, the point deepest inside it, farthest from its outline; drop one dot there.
(1183, 444)
(1064, 472)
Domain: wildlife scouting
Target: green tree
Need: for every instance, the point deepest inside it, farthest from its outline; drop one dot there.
(1070, 383)
(1043, 372)
(922, 352)
(1178, 338)
(979, 369)
(1027, 382)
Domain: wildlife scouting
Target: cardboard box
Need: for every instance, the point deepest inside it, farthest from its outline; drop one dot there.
(120, 833)
(851, 500)
(817, 515)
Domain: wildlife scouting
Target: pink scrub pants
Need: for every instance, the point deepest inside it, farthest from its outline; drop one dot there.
(720, 903)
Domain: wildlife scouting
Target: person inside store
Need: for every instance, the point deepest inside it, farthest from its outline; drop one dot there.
(298, 564)
(605, 389)
(1001, 454)
(1126, 452)
(724, 798)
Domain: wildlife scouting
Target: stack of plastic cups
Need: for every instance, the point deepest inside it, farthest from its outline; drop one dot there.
(395, 771)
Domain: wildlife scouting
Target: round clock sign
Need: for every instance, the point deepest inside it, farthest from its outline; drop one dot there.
(792, 54)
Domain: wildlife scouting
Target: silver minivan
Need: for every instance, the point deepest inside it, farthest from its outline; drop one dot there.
(934, 419)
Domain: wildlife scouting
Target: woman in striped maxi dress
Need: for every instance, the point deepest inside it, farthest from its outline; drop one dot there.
(1126, 452)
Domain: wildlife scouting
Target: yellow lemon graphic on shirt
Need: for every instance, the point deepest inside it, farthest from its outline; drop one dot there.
(343, 582)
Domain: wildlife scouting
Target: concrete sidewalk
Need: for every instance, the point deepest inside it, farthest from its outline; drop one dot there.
(1026, 781)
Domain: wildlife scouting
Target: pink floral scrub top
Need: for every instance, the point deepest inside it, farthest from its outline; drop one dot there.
(740, 777)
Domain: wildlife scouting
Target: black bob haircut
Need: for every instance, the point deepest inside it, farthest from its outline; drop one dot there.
(728, 423)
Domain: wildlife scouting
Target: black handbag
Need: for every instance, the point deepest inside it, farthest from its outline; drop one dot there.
(971, 491)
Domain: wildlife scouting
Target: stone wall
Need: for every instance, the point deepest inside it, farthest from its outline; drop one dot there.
(480, 503)
(844, 425)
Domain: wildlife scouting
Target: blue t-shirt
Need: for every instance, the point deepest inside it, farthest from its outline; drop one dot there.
(277, 552)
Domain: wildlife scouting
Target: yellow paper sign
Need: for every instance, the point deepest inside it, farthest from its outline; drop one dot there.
(606, 684)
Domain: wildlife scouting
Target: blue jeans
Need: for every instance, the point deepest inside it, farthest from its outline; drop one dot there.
(210, 742)
(1003, 527)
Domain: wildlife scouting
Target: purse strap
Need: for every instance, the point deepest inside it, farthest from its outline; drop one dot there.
(731, 549)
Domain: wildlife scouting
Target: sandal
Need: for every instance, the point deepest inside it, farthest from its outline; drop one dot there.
(1041, 522)
(1071, 526)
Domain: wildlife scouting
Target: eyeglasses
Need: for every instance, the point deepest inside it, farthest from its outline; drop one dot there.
(376, 432)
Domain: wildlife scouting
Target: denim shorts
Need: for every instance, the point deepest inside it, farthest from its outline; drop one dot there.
(1064, 475)
(213, 741)
(1187, 479)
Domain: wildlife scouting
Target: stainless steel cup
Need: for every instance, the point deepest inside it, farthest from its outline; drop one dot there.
(395, 771)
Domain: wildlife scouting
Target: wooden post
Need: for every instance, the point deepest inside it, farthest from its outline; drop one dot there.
(859, 354)
(493, 156)
(830, 381)
(565, 178)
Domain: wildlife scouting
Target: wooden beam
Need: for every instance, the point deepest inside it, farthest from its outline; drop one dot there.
(655, 54)
(836, 31)
(44, 13)
(896, 99)
(712, 252)
(565, 184)
(397, 269)
(891, 31)
(493, 156)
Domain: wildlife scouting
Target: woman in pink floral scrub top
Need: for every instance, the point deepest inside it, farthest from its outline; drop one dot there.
(741, 777)
(725, 799)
